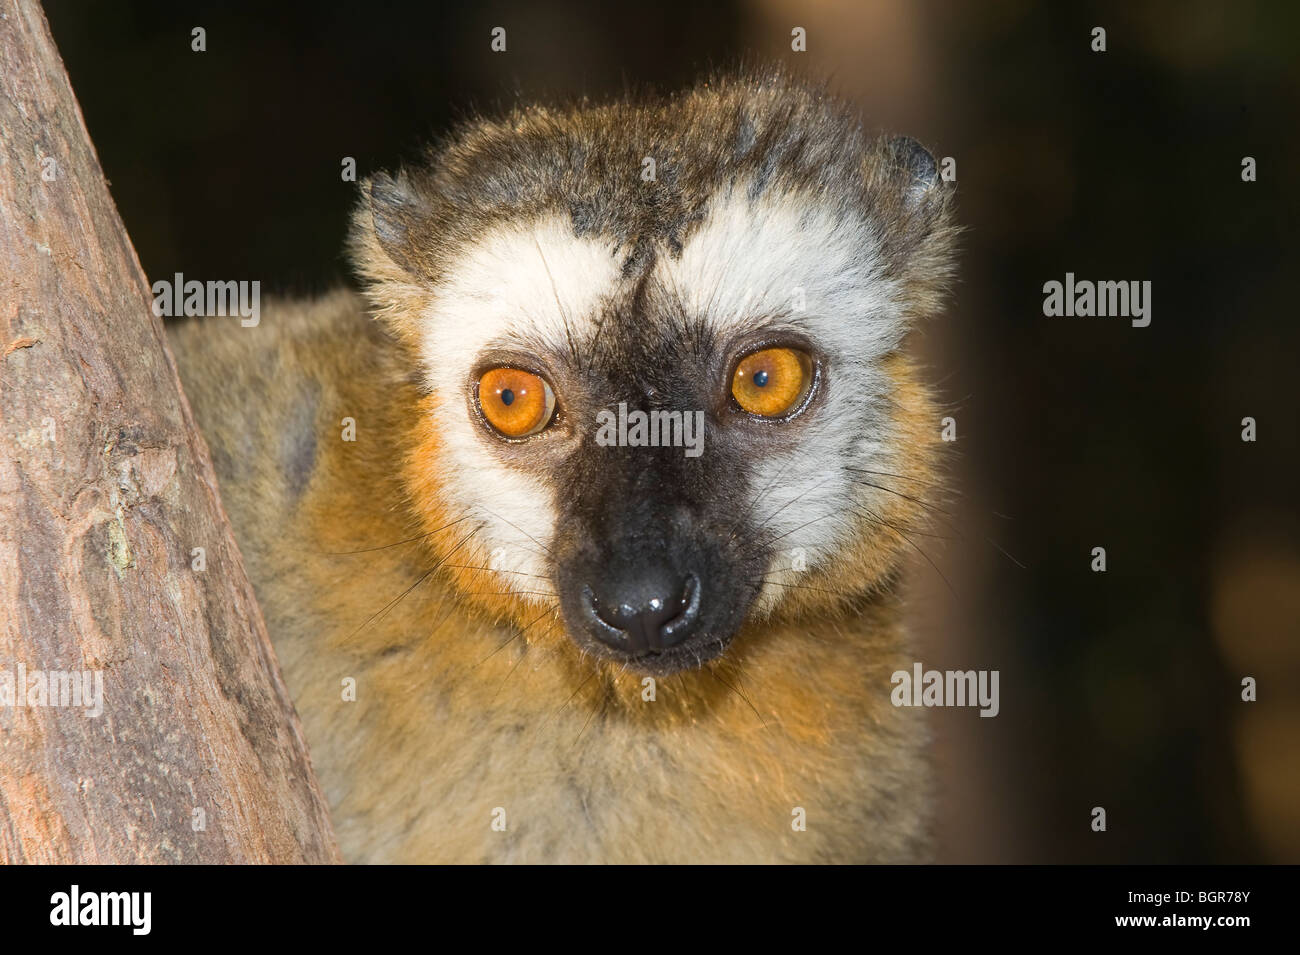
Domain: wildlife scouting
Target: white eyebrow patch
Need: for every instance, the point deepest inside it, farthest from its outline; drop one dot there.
(531, 282)
(787, 256)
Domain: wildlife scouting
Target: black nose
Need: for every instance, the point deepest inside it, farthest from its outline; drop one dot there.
(644, 611)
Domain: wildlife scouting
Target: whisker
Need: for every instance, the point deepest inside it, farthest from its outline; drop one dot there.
(495, 570)
(769, 543)
(771, 484)
(590, 716)
(907, 497)
(508, 593)
(902, 477)
(951, 522)
(371, 550)
(522, 656)
(522, 531)
(518, 633)
(928, 560)
(876, 519)
(383, 612)
(739, 693)
(564, 315)
(556, 712)
(996, 546)
(848, 594)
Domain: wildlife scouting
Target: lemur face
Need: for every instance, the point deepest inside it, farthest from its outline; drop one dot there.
(657, 400)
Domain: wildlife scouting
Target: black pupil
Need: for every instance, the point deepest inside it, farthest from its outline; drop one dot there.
(760, 378)
(507, 396)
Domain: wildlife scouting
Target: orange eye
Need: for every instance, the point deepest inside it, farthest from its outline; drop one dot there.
(771, 381)
(516, 403)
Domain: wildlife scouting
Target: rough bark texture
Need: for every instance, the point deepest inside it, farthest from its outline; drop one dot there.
(106, 490)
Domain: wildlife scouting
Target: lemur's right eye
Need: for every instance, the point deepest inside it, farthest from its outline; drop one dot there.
(516, 403)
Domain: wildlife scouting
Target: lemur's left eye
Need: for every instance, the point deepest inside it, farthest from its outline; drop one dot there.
(516, 403)
(771, 381)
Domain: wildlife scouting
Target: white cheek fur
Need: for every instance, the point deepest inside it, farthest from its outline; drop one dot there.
(536, 283)
(785, 258)
(820, 271)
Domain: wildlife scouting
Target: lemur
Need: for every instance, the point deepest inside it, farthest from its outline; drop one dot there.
(511, 641)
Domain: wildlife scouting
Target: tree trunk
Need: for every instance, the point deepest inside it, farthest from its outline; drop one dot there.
(106, 494)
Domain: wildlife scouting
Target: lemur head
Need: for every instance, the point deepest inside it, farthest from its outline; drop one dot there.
(660, 342)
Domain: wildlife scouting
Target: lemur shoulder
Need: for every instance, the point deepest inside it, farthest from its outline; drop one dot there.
(567, 649)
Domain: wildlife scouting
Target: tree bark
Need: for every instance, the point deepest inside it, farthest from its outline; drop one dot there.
(106, 492)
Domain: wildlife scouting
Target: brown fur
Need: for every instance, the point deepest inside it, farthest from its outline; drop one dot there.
(471, 699)
(468, 703)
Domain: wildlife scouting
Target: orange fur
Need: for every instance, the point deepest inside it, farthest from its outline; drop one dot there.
(470, 699)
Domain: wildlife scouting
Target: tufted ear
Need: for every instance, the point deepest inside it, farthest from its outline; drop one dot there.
(392, 242)
(917, 165)
(914, 207)
(397, 215)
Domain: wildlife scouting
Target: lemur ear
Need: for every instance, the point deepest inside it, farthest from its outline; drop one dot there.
(914, 202)
(396, 212)
(918, 165)
(392, 228)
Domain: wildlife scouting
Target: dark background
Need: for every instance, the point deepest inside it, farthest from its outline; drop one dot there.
(1120, 689)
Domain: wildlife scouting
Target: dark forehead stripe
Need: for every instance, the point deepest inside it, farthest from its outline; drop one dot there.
(643, 337)
(639, 262)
